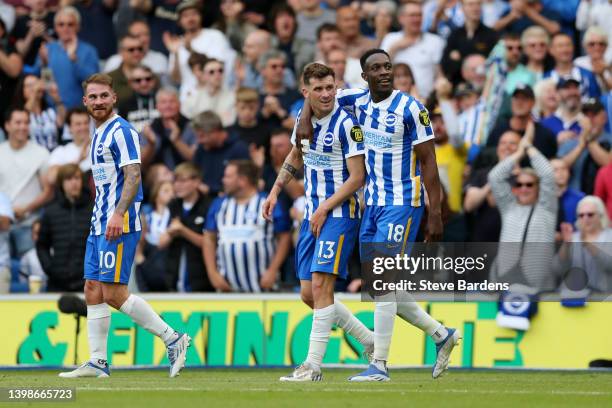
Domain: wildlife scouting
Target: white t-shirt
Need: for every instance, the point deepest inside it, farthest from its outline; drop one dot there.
(155, 60)
(198, 100)
(422, 57)
(69, 153)
(19, 171)
(211, 43)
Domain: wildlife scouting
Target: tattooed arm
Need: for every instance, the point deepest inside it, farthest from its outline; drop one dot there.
(286, 174)
(131, 183)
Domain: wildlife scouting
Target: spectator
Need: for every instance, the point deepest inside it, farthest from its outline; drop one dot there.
(336, 60)
(6, 217)
(568, 197)
(384, 20)
(310, 17)
(535, 41)
(207, 41)
(22, 167)
(347, 21)
(483, 219)
(132, 53)
(185, 270)
(473, 71)
(257, 44)
(161, 18)
(64, 228)
(595, 42)
(215, 148)
(328, 38)
(71, 60)
(240, 252)
(528, 209)
(547, 100)
(151, 260)
(562, 50)
(593, 257)
(251, 129)
(154, 60)
(170, 138)
(299, 52)
(276, 99)
(517, 73)
(524, 14)
(45, 120)
(472, 38)
(77, 151)
(587, 153)
(523, 101)
(421, 51)
(603, 186)
(450, 158)
(97, 16)
(280, 145)
(210, 93)
(442, 17)
(32, 29)
(403, 79)
(233, 22)
(140, 108)
(599, 14)
(10, 68)
(564, 122)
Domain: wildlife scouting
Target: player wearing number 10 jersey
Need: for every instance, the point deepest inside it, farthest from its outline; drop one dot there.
(400, 158)
(115, 231)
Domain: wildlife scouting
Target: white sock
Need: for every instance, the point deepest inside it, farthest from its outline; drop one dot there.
(98, 323)
(350, 324)
(143, 315)
(384, 318)
(416, 316)
(439, 334)
(322, 320)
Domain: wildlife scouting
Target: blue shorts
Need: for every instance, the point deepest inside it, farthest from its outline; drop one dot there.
(110, 261)
(389, 229)
(330, 252)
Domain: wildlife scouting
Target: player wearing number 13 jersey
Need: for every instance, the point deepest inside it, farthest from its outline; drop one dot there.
(400, 159)
(115, 231)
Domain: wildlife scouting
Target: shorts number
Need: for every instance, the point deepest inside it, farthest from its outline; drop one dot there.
(396, 232)
(328, 252)
(107, 260)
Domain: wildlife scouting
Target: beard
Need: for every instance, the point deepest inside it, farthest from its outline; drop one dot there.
(100, 114)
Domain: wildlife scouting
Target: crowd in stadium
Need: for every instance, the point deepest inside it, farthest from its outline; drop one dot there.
(213, 87)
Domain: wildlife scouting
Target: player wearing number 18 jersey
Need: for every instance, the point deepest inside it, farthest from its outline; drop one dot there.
(400, 159)
(115, 231)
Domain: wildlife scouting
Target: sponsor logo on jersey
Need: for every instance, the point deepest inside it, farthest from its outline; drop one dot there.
(424, 118)
(390, 119)
(356, 134)
(328, 139)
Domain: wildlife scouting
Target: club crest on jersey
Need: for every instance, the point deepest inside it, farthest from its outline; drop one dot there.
(390, 119)
(99, 149)
(356, 134)
(424, 118)
(328, 139)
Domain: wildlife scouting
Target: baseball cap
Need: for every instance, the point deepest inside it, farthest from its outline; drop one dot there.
(187, 4)
(523, 89)
(465, 89)
(565, 82)
(592, 105)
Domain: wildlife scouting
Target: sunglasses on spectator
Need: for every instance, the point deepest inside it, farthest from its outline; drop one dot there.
(586, 214)
(133, 49)
(539, 45)
(521, 185)
(513, 47)
(66, 24)
(142, 79)
(214, 71)
(594, 43)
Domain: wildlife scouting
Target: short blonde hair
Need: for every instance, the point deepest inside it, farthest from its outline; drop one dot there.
(599, 206)
(71, 11)
(534, 32)
(594, 31)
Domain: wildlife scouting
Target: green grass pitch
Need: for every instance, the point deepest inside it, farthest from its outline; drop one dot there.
(261, 388)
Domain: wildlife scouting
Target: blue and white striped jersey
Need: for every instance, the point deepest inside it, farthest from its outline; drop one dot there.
(391, 128)
(589, 88)
(245, 240)
(336, 138)
(115, 144)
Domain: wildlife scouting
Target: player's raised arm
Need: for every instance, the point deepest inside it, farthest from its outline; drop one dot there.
(287, 172)
(303, 126)
(426, 155)
(131, 183)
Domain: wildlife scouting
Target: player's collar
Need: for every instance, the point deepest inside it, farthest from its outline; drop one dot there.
(385, 101)
(100, 129)
(326, 118)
